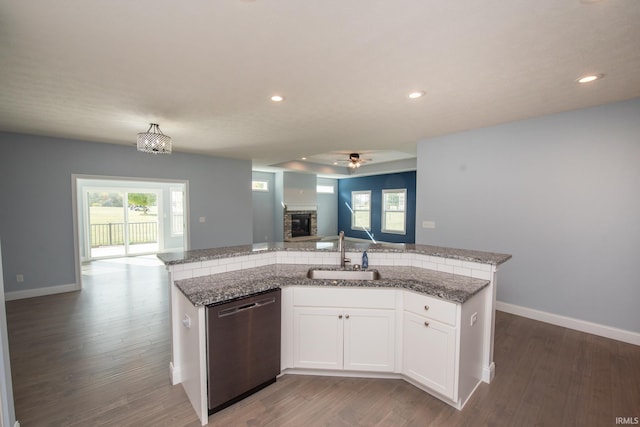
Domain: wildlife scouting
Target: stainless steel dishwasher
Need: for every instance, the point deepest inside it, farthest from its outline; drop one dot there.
(243, 347)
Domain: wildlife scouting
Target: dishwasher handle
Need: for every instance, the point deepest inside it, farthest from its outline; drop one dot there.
(240, 308)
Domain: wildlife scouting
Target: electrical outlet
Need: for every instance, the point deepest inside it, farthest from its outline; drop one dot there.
(474, 318)
(203, 220)
(19, 278)
(186, 321)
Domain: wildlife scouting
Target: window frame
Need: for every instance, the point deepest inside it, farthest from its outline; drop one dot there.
(324, 189)
(173, 208)
(383, 224)
(260, 181)
(355, 226)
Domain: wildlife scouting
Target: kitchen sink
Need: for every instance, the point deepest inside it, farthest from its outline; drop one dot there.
(342, 274)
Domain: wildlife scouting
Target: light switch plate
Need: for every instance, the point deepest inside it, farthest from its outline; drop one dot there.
(428, 224)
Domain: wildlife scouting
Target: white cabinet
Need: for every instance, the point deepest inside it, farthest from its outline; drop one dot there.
(369, 340)
(435, 344)
(442, 344)
(430, 353)
(318, 338)
(345, 334)
(430, 340)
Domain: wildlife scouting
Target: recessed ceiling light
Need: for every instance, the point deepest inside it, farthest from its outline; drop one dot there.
(277, 98)
(416, 95)
(303, 158)
(590, 78)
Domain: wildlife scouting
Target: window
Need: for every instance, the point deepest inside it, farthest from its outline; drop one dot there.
(361, 205)
(177, 213)
(325, 189)
(394, 204)
(260, 185)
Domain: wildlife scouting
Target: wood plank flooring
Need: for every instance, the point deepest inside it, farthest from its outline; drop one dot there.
(101, 357)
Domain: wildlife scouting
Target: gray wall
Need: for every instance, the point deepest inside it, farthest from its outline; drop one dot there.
(299, 189)
(36, 216)
(561, 193)
(328, 209)
(264, 210)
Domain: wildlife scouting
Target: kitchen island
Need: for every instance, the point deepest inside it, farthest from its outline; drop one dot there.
(428, 319)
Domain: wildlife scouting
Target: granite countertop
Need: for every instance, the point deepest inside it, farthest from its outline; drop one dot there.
(226, 287)
(332, 246)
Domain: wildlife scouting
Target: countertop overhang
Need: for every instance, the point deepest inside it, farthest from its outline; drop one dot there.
(223, 287)
(184, 257)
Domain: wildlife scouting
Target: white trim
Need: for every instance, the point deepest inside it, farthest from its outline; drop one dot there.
(325, 189)
(630, 337)
(488, 373)
(38, 292)
(261, 181)
(7, 406)
(353, 210)
(300, 207)
(383, 218)
(174, 374)
(74, 201)
(76, 234)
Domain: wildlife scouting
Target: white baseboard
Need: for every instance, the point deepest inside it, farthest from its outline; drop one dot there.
(488, 373)
(38, 292)
(174, 374)
(571, 323)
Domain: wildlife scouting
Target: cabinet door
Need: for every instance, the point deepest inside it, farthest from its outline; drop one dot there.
(317, 338)
(369, 340)
(429, 353)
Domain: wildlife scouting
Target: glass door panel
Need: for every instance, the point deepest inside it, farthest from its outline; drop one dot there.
(106, 223)
(142, 223)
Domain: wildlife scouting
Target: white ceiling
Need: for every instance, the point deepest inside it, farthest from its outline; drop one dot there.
(205, 70)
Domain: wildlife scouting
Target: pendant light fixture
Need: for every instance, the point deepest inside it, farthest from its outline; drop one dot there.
(154, 141)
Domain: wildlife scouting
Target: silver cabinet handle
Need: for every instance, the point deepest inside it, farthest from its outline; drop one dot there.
(426, 324)
(339, 316)
(426, 307)
(347, 316)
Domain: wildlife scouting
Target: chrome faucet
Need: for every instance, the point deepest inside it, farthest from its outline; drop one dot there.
(343, 259)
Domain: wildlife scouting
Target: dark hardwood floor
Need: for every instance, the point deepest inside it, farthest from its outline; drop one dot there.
(101, 357)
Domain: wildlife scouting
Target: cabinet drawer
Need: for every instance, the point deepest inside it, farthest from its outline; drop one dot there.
(431, 307)
(344, 297)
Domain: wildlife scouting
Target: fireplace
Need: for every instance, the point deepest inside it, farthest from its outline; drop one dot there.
(300, 224)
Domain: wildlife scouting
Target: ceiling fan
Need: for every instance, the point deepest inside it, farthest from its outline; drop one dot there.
(355, 161)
